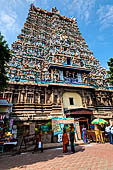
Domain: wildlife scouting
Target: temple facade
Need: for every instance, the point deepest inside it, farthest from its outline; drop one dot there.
(53, 73)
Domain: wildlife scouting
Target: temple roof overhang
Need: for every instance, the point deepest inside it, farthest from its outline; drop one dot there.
(69, 67)
(47, 84)
(78, 111)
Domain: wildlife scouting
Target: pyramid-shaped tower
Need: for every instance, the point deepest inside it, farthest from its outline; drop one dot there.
(52, 72)
(50, 49)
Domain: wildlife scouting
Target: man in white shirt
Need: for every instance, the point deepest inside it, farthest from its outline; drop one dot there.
(108, 130)
(112, 135)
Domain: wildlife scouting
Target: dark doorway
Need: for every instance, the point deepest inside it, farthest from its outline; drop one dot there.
(69, 61)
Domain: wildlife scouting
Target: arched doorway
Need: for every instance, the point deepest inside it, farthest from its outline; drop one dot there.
(72, 103)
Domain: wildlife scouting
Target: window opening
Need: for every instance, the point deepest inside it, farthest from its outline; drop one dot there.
(71, 101)
(69, 61)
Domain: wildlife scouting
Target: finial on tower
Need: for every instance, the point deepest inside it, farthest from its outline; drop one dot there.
(55, 10)
(32, 5)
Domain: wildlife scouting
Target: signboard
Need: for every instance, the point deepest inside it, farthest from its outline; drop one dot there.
(60, 138)
(59, 123)
(3, 102)
(5, 107)
(44, 128)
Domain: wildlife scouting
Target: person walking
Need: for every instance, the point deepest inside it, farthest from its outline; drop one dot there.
(84, 134)
(39, 144)
(72, 138)
(65, 140)
(111, 134)
(108, 131)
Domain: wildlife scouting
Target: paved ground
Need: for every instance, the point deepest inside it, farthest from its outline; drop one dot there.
(87, 157)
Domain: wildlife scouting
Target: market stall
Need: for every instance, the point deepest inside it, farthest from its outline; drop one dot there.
(7, 130)
(58, 124)
(99, 134)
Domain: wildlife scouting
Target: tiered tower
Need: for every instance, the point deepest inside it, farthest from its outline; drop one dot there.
(51, 49)
(52, 71)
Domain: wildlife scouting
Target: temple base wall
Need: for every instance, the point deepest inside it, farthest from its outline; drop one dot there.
(31, 102)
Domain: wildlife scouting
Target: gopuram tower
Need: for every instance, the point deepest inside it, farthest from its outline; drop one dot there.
(53, 73)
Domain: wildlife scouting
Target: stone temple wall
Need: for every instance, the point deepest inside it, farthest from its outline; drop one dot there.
(44, 102)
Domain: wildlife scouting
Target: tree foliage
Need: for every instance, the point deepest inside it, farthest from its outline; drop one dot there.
(110, 72)
(4, 59)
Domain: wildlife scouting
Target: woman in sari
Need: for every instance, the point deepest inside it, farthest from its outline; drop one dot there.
(65, 140)
(84, 135)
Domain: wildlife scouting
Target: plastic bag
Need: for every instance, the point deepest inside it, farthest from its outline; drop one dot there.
(39, 145)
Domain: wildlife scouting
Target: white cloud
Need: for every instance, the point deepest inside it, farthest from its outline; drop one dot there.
(8, 21)
(83, 9)
(105, 14)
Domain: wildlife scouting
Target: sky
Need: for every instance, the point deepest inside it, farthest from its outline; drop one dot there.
(94, 19)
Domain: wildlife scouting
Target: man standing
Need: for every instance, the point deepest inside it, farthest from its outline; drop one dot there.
(111, 134)
(72, 138)
(38, 144)
(108, 130)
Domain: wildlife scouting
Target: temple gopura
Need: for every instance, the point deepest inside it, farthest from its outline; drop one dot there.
(53, 73)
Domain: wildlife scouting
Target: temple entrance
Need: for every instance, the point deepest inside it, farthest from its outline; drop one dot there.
(82, 117)
(83, 123)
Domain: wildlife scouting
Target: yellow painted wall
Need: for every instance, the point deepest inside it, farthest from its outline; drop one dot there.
(76, 99)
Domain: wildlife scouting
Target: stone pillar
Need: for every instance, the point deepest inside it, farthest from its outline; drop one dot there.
(21, 97)
(11, 96)
(52, 96)
(52, 72)
(18, 101)
(3, 95)
(25, 97)
(45, 96)
(38, 98)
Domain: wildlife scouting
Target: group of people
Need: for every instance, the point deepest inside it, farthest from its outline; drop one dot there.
(65, 140)
(109, 131)
(71, 138)
(100, 133)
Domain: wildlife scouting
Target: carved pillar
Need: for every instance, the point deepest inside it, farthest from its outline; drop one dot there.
(84, 101)
(52, 72)
(30, 99)
(3, 95)
(38, 98)
(25, 97)
(52, 97)
(33, 96)
(90, 101)
(18, 101)
(45, 96)
(21, 97)
(11, 96)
